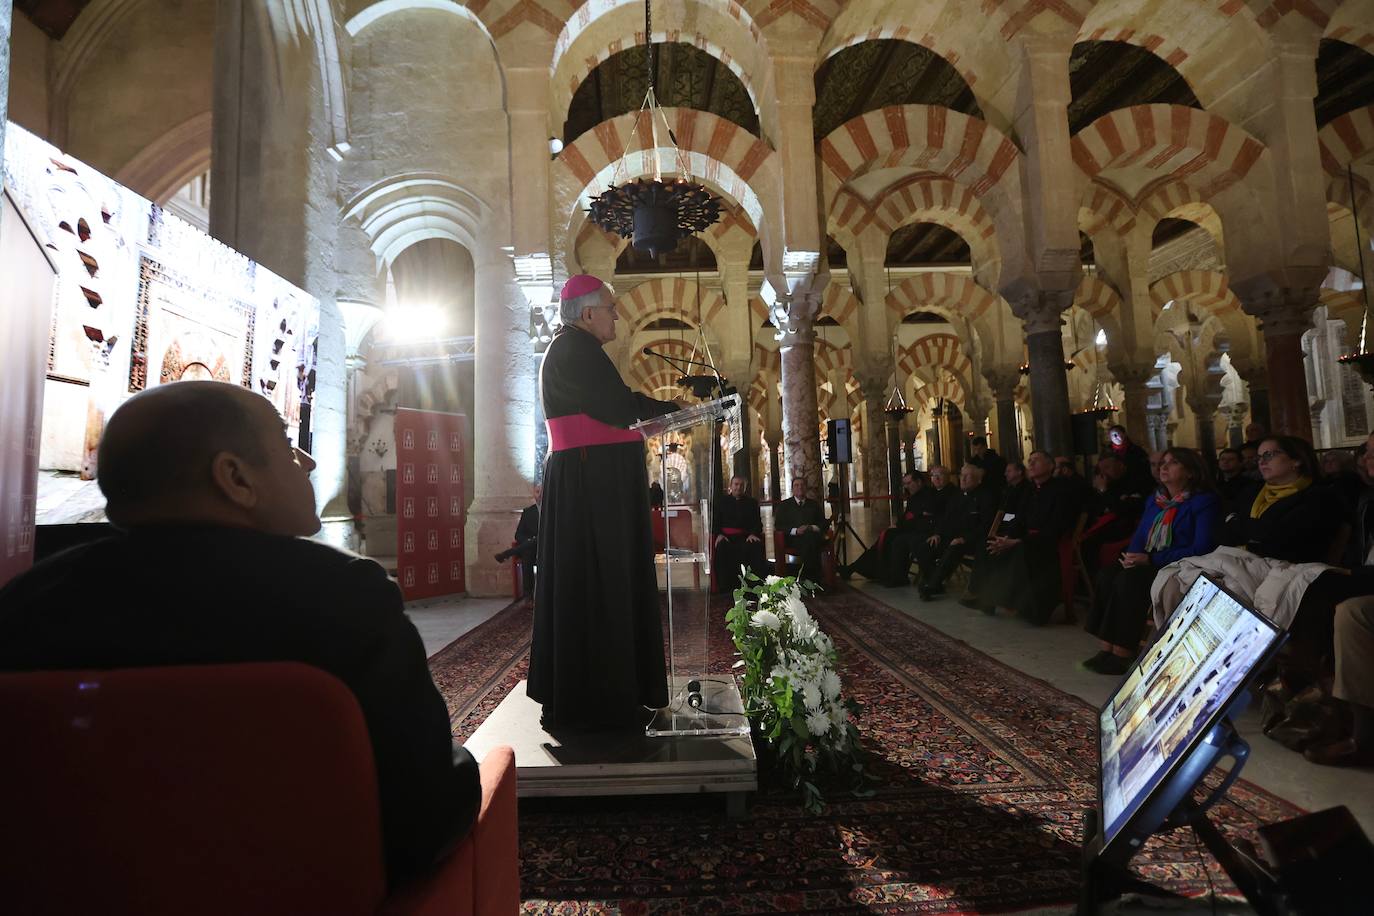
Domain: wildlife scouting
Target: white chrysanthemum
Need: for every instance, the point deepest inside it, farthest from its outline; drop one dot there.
(771, 580)
(839, 716)
(811, 695)
(765, 620)
(817, 723)
(830, 685)
(824, 644)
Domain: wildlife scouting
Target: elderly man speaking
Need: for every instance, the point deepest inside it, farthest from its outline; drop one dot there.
(597, 656)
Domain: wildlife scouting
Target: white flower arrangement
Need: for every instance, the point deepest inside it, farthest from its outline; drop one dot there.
(791, 689)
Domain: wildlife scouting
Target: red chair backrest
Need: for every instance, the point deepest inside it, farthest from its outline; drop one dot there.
(207, 789)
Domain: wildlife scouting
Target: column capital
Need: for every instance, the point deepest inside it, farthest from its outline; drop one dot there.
(1282, 309)
(1039, 310)
(1003, 382)
(1128, 376)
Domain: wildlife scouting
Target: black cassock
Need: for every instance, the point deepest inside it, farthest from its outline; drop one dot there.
(597, 652)
(736, 519)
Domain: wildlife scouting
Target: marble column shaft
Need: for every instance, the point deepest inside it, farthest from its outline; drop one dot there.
(1135, 384)
(874, 390)
(503, 421)
(800, 417)
(1049, 384)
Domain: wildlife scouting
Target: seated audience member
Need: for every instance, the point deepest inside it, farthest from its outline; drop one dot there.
(1255, 432)
(1180, 521)
(1137, 460)
(1154, 459)
(889, 558)
(211, 566)
(1285, 517)
(994, 465)
(1249, 460)
(1353, 685)
(526, 543)
(1077, 487)
(1338, 472)
(1011, 499)
(738, 528)
(1022, 567)
(1114, 511)
(1231, 479)
(962, 533)
(802, 522)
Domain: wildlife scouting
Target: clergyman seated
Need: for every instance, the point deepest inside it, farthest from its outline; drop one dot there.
(210, 566)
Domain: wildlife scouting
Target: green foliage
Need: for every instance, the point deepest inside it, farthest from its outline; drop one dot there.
(792, 691)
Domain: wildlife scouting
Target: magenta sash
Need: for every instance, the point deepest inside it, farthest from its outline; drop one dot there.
(579, 431)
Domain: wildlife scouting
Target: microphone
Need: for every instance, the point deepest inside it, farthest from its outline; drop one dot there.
(720, 382)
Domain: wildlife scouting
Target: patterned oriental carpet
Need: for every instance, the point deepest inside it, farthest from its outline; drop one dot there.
(985, 775)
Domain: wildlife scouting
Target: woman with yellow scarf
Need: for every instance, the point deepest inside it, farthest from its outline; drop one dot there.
(1289, 515)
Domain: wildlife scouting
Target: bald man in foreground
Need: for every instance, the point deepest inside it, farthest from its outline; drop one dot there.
(210, 566)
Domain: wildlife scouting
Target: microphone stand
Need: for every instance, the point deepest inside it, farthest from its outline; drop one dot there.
(693, 382)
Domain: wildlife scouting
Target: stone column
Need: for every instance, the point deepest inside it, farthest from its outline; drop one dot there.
(874, 388)
(1286, 313)
(893, 428)
(936, 439)
(954, 444)
(6, 11)
(800, 417)
(773, 440)
(1003, 383)
(1136, 383)
(1049, 384)
(1257, 381)
(503, 424)
(1205, 413)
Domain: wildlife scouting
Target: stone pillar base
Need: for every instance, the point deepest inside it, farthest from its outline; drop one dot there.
(490, 530)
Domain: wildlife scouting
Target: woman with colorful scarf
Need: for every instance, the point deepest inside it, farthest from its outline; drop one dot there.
(1181, 521)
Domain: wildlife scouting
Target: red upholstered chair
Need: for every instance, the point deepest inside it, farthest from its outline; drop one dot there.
(217, 789)
(828, 576)
(1071, 566)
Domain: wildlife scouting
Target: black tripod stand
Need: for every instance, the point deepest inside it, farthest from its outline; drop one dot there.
(841, 518)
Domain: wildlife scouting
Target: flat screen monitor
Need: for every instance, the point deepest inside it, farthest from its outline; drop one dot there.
(1175, 694)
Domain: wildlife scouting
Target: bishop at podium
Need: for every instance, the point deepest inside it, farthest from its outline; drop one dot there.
(597, 655)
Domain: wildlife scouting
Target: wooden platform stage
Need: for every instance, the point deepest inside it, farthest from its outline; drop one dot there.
(627, 763)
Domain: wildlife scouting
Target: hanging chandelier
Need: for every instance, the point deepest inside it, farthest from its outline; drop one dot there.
(654, 213)
(1362, 360)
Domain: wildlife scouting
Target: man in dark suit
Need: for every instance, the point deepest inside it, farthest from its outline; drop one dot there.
(802, 522)
(210, 566)
(737, 535)
(526, 544)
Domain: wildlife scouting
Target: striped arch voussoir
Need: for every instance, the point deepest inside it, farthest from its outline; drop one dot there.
(927, 138)
(1208, 289)
(1170, 142)
(957, 293)
(943, 351)
(675, 296)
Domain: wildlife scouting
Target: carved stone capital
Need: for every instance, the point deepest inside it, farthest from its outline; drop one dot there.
(1040, 310)
(1133, 376)
(1281, 309)
(1003, 382)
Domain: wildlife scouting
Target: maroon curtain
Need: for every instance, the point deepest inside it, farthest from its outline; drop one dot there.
(429, 503)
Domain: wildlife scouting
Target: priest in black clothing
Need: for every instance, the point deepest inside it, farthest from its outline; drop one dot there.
(802, 523)
(1023, 557)
(737, 533)
(889, 558)
(596, 660)
(994, 465)
(962, 532)
(526, 545)
(211, 565)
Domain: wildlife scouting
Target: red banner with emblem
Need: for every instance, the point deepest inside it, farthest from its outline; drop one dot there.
(429, 503)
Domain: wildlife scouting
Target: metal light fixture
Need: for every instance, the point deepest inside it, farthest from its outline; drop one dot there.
(1362, 361)
(655, 214)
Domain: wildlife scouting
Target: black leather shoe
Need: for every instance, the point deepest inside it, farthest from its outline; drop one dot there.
(1344, 753)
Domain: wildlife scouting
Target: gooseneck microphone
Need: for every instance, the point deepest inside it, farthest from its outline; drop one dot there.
(678, 365)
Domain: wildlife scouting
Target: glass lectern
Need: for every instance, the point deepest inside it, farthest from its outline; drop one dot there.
(700, 701)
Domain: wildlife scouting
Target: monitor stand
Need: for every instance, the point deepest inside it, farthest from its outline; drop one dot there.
(1105, 880)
